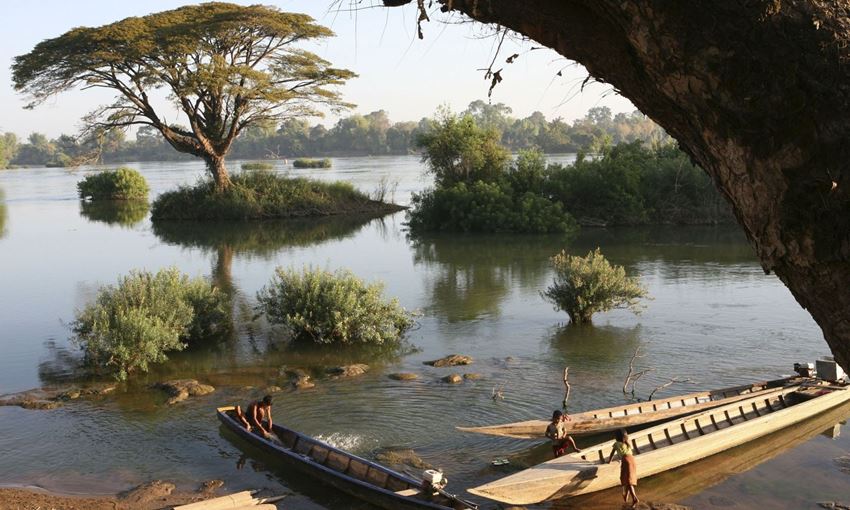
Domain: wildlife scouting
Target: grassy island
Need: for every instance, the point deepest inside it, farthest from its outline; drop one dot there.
(311, 163)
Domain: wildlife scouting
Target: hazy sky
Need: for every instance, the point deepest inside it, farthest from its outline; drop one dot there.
(407, 77)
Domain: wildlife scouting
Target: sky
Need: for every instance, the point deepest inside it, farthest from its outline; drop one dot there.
(408, 77)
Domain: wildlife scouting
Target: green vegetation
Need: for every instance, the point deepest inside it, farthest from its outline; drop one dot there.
(258, 165)
(124, 213)
(262, 195)
(311, 163)
(584, 286)
(3, 214)
(332, 308)
(145, 316)
(475, 188)
(121, 184)
(228, 67)
(8, 149)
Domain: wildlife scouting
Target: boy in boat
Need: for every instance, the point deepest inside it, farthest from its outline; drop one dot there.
(628, 468)
(258, 411)
(557, 433)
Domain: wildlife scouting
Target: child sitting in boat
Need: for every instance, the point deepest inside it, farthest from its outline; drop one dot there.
(557, 432)
(258, 411)
(628, 468)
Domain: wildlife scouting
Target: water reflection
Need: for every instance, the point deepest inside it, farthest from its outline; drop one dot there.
(123, 213)
(3, 214)
(473, 274)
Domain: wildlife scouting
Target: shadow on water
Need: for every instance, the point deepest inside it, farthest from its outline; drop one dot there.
(681, 483)
(473, 274)
(122, 213)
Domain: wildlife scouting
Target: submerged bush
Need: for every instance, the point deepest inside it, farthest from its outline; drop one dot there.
(332, 308)
(258, 165)
(586, 285)
(311, 163)
(262, 195)
(138, 321)
(486, 207)
(121, 184)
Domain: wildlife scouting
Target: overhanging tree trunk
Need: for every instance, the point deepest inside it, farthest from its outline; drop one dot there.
(215, 164)
(756, 92)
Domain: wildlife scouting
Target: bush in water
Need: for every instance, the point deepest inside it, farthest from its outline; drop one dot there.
(311, 163)
(257, 165)
(332, 308)
(121, 184)
(136, 322)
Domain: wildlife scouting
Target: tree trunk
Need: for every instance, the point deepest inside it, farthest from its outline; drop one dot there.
(756, 92)
(215, 164)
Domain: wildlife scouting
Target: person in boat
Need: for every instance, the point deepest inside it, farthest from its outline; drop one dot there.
(257, 412)
(557, 433)
(628, 468)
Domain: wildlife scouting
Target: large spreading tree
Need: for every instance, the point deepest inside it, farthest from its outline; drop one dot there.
(226, 67)
(757, 92)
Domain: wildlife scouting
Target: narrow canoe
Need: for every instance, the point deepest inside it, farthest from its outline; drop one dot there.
(667, 446)
(630, 415)
(358, 477)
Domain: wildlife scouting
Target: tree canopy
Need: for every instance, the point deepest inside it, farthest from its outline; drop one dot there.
(226, 67)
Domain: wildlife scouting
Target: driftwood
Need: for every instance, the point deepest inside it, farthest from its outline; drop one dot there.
(674, 380)
(497, 392)
(632, 377)
(566, 387)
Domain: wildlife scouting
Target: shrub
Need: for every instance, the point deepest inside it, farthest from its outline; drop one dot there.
(457, 150)
(121, 184)
(486, 207)
(311, 163)
(138, 321)
(263, 195)
(257, 165)
(332, 308)
(586, 285)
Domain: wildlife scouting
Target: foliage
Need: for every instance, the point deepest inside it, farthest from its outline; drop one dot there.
(486, 207)
(332, 308)
(3, 214)
(457, 150)
(121, 184)
(258, 165)
(138, 321)
(262, 195)
(311, 163)
(8, 149)
(227, 67)
(584, 286)
(125, 213)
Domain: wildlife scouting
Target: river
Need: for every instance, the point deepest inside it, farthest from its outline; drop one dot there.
(715, 317)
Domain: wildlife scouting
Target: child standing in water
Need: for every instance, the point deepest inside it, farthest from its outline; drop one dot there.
(557, 433)
(628, 468)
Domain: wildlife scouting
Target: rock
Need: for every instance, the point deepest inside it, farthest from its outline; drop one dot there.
(843, 463)
(41, 405)
(401, 457)
(472, 376)
(147, 492)
(211, 486)
(181, 389)
(98, 390)
(273, 389)
(452, 379)
(71, 394)
(294, 373)
(348, 370)
(303, 383)
(450, 361)
(834, 505)
(403, 376)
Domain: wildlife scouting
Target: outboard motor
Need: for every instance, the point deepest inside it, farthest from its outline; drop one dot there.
(829, 370)
(433, 480)
(805, 369)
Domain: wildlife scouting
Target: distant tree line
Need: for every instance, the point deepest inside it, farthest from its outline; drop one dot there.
(356, 135)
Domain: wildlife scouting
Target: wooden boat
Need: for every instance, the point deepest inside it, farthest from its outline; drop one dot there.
(672, 444)
(630, 415)
(353, 475)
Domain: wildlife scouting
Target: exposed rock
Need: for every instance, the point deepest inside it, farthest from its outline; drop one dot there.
(181, 389)
(834, 505)
(450, 361)
(211, 486)
(40, 404)
(403, 376)
(843, 463)
(472, 376)
(401, 457)
(303, 382)
(348, 370)
(98, 390)
(148, 492)
(273, 389)
(71, 394)
(452, 379)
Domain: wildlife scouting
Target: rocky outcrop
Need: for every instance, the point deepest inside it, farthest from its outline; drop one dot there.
(181, 389)
(147, 492)
(298, 378)
(403, 376)
(472, 376)
(452, 379)
(347, 370)
(451, 360)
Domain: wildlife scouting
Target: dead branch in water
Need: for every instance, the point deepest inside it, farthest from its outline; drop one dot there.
(567, 387)
(497, 392)
(674, 380)
(632, 377)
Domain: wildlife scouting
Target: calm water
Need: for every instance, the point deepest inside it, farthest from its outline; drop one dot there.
(715, 318)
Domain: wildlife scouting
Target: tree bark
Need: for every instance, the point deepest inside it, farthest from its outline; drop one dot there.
(757, 92)
(215, 164)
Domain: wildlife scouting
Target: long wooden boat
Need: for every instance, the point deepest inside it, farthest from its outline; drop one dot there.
(630, 415)
(672, 444)
(358, 477)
